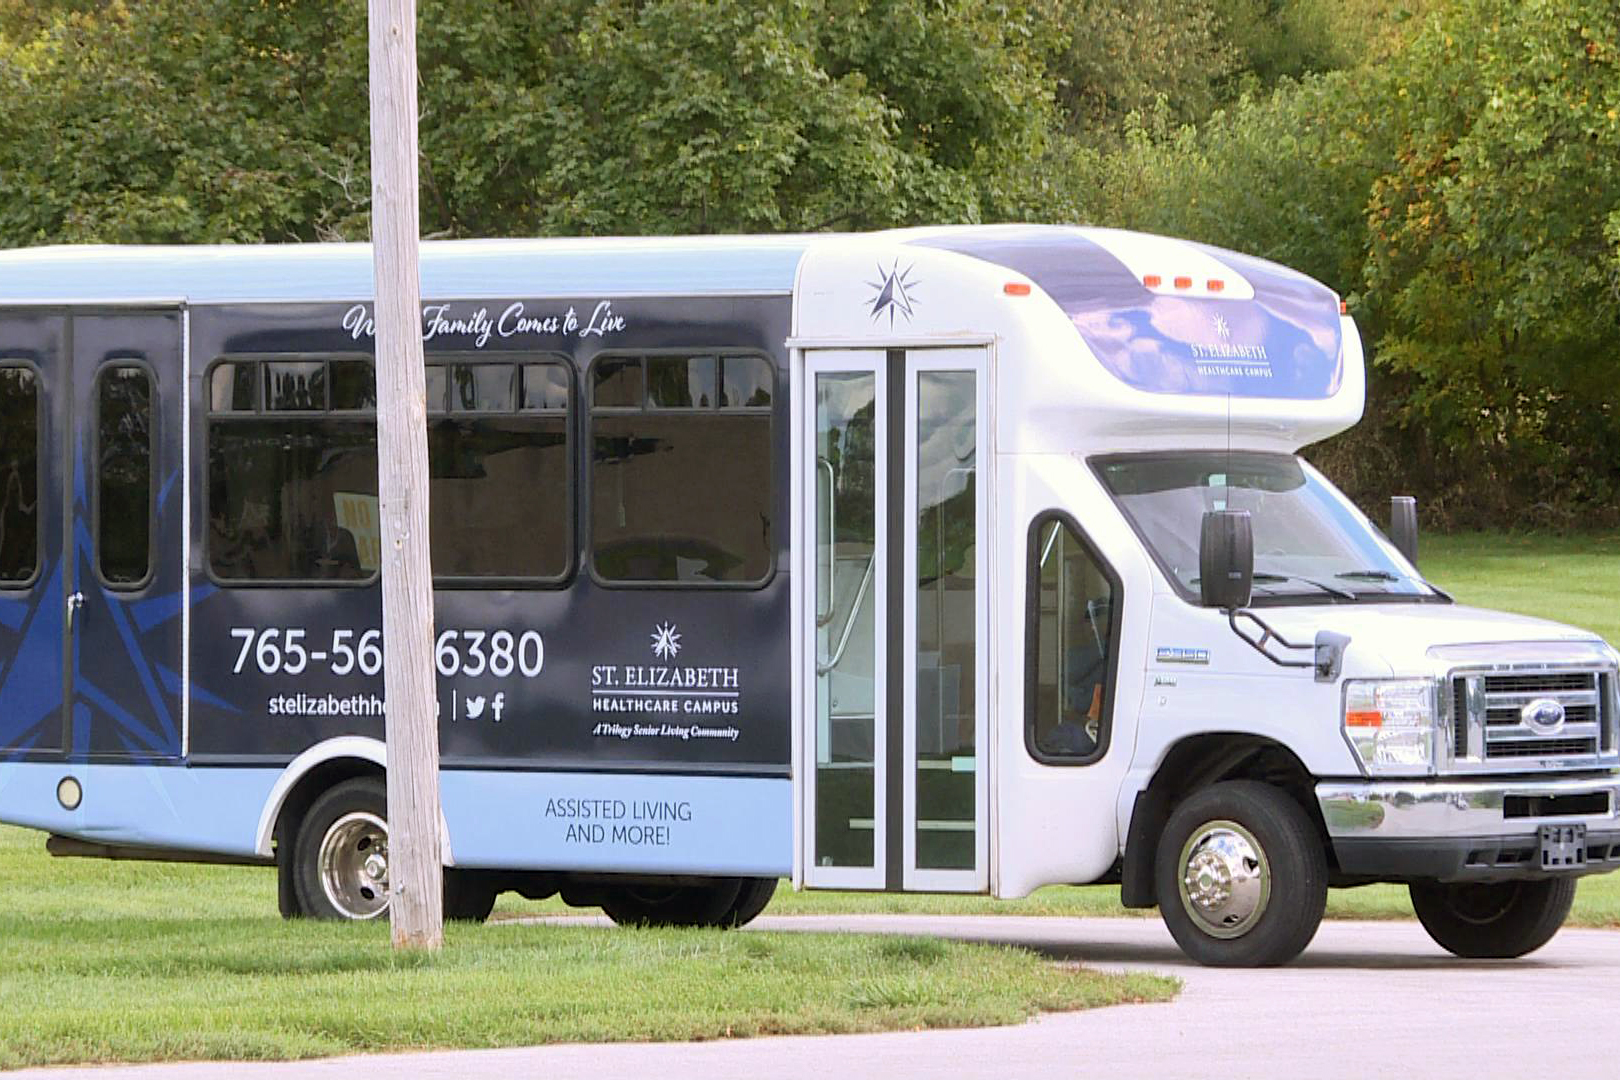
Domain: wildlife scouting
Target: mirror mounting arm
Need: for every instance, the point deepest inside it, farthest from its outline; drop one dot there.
(1327, 651)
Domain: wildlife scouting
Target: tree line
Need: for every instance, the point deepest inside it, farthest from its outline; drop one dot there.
(1452, 167)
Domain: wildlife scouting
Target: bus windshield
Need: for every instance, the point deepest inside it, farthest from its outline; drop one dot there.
(1310, 543)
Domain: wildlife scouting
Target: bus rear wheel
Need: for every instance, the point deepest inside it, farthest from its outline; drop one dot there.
(1241, 876)
(708, 904)
(340, 860)
(751, 900)
(1493, 921)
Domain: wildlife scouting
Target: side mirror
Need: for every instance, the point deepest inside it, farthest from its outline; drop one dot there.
(1403, 529)
(1226, 559)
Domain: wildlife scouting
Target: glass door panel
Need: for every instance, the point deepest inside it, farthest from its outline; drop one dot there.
(946, 793)
(846, 800)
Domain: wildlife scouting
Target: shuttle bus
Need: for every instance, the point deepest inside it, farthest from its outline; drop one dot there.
(963, 559)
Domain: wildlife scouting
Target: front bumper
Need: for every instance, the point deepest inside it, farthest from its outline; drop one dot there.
(1466, 830)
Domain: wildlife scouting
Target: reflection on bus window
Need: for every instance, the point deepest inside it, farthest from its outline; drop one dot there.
(19, 475)
(124, 474)
(1072, 619)
(294, 498)
(681, 486)
(498, 502)
(947, 590)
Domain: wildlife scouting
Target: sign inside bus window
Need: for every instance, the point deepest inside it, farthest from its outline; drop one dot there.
(479, 325)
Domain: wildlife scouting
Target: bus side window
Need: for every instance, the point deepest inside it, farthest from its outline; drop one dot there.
(19, 476)
(124, 492)
(681, 479)
(1073, 598)
(500, 501)
(292, 470)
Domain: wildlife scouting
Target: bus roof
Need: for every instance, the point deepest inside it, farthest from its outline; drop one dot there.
(451, 269)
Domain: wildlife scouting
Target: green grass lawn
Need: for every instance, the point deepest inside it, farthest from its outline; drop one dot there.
(1572, 579)
(108, 961)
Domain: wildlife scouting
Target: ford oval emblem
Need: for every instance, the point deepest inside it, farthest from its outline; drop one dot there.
(1544, 716)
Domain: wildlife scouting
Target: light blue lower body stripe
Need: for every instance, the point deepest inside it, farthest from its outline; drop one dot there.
(601, 822)
(739, 826)
(207, 810)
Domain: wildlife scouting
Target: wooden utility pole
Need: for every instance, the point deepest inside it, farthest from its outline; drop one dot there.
(415, 869)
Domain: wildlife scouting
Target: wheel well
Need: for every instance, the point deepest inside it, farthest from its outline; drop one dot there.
(319, 778)
(1197, 762)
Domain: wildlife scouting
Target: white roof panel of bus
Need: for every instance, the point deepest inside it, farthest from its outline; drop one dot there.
(454, 269)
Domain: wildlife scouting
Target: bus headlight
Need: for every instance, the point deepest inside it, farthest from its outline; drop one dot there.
(1390, 724)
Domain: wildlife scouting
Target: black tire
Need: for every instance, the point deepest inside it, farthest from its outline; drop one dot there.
(1253, 835)
(1494, 921)
(751, 900)
(346, 806)
(358, 808)
(469, 895)
(673, 905)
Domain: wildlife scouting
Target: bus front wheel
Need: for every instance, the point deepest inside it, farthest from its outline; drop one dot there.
(1241, 876)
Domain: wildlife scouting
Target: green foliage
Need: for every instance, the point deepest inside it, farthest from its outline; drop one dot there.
(196, 120)
(1494, 268)
(1112, 58)
(202, 120)
(1280, 39)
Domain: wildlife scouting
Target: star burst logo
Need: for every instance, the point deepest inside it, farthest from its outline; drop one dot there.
(892, 292)
(665, 641)
(1222, 329)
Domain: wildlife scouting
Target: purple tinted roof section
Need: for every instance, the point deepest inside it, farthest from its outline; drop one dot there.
(1285, 343)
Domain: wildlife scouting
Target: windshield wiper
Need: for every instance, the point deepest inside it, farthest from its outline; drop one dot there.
(1331, 590)
(1385, 575)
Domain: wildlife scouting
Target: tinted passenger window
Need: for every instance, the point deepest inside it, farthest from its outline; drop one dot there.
(293, 496)
(498, 457)
(1072, 598)
(124, 474)
(19, 475)
(681, 477)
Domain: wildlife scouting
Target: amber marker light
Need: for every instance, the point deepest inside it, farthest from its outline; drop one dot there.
(1183, 282)
(1016, 288)
(1152, 281)
(1369, 718)
(1214, 285)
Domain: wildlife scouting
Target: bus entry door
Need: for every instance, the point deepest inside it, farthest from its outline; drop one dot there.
(124, 585)
(894, 639)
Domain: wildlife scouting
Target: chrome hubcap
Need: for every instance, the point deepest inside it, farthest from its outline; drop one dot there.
(1225, 879)
(354, 865)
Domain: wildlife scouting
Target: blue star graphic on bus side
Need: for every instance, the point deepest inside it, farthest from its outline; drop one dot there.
(893, 294)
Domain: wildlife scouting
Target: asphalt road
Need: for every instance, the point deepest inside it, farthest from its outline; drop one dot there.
(1366, 1000)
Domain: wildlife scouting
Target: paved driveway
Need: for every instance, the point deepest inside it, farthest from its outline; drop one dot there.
(1366, 1000)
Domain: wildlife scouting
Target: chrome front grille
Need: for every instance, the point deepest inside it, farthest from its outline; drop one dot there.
(1552, 718)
